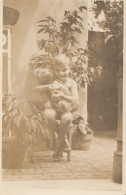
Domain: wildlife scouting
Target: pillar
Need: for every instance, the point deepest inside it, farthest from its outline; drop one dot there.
(117, 162)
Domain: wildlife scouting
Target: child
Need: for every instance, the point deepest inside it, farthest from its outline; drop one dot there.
(68, 94)
(62, 105)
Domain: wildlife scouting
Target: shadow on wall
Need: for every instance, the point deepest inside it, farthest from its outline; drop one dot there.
(19, 36)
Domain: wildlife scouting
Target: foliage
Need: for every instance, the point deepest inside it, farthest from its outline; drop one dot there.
(80, 71)
(62, 38)
(81, 126)
(113, 23)
(25, 127)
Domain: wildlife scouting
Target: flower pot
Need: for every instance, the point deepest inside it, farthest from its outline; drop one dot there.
(10, 16)
(13, 153)
(81, 141)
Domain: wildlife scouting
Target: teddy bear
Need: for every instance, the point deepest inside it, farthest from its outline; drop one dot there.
(45, 77)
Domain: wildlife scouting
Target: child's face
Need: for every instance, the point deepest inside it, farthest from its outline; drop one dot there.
(61, 71)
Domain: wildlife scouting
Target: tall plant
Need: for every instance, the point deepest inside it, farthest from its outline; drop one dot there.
(113, 24)
(62, 38)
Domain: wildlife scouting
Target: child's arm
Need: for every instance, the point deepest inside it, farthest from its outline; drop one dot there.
(74, 93)
(42, 88)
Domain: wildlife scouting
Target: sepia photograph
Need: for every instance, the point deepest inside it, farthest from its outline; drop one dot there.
(62, 95)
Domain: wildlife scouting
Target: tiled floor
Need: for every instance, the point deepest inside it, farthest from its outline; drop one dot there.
(97, 163)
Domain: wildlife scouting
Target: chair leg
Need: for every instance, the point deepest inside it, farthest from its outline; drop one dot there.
(61, 155)
(68, 156)
(69, 139)
(32, 154)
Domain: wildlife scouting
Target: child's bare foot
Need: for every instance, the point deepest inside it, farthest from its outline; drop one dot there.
(66, 149)
(56, 155)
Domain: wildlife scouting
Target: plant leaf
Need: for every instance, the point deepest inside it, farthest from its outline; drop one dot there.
(28, 125)
(77, 30)
(80, 18)
(14, 113)
(72, 38)
(18, 120)
(42, 25)
(11, 106)
(41, 30)
(42, 21)
(66, 13)
(108, 37)
(65, 24)
(33, 125)
(82, 7)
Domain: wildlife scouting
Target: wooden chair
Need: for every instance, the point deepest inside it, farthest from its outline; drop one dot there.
(45, 146)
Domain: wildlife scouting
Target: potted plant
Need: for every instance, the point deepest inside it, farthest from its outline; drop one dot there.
(82, 134)
(10, 16)
(21, 127)
(13, 132)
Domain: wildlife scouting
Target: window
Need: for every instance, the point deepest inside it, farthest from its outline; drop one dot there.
(6, 68)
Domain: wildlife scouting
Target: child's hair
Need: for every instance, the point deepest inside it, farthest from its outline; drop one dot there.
(61, 59)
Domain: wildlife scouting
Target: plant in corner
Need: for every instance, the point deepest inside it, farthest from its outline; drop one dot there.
(19, 130)
(13, 132)
(82, 134)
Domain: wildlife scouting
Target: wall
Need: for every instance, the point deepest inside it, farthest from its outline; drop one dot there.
(24, 33)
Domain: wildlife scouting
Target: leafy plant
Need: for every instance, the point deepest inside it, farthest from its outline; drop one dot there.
(113, 24)
(21, 125)
(62, 38)
(81, 126)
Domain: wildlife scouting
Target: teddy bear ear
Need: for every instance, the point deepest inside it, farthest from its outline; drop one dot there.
(37, 72)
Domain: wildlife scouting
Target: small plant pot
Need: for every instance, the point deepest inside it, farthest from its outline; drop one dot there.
(81, 142)
(10, 16)
(13, 153)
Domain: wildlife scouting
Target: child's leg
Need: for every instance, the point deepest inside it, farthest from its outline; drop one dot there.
(53, 125)
(66, 120)
(66, 145)
(63, 107)
(74, 106)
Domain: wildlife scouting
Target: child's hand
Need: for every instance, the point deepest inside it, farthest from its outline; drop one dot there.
(57, 85)
(56, 96)
(50, 86)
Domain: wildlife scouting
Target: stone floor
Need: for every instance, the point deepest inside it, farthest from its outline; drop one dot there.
(97, 163)
(62, 187)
